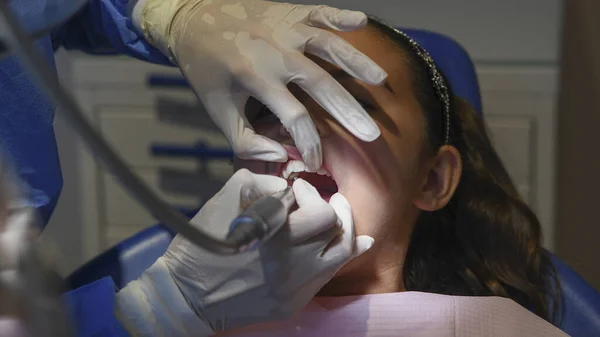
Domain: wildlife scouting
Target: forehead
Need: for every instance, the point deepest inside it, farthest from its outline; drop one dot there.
(402, 107)
(383, 52)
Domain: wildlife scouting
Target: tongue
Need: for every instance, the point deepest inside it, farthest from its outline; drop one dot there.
(324, 184)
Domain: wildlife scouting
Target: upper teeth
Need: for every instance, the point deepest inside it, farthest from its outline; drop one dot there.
(297, 166)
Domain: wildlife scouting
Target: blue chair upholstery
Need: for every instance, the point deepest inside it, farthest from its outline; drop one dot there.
(126, 261)
(455, 63)
(581, 303)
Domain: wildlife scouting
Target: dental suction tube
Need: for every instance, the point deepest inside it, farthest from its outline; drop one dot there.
(19, 41)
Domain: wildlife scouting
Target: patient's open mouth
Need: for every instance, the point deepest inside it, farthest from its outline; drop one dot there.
(321, 180)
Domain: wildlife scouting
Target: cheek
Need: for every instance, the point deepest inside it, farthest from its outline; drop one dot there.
(365, 178)
(378, 179)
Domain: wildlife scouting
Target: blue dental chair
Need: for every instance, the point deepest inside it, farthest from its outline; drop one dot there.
(127, 260)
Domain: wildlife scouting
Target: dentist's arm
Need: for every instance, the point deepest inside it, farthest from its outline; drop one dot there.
(230, 50)
(191, 292)
(106, 27)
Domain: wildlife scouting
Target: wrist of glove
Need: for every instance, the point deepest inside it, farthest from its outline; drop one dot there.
(154, 18)
(153, 305)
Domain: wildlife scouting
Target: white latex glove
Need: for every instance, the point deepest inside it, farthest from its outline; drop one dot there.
(230, 50)
(192, 292)
(29, 285)
(18, 222)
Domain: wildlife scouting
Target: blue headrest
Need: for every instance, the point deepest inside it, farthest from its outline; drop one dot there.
(454, 62)
(580, 309)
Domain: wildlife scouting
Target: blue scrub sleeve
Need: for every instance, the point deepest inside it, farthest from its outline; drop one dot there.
(27, 134)
(104, 27)
(91, 310)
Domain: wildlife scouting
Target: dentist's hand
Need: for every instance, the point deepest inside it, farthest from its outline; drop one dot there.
(230, 50)
(190, 291)
(18, 223)
(29, 285)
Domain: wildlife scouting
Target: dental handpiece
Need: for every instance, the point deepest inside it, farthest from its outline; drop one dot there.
(261, 220)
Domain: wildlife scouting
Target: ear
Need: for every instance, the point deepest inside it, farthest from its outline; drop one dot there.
(441, 180)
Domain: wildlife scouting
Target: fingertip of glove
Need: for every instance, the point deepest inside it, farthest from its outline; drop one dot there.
(264, 154)
(274, 157)
(378, 75)
(350, 20)
(313, 163)
(299, 184)
(363, 244)
(339, 200)
(304, 190)
(308, 142)
(251, 146)
(311, 153)
(368, 131)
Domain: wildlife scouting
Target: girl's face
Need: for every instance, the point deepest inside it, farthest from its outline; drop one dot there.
(386, 182)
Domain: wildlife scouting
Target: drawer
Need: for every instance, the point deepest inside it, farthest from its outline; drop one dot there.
(116, 71)
(514, 140)
(169, 100)
(180, 191)
(133, 130)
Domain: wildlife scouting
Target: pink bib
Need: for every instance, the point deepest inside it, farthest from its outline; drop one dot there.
(407, 314)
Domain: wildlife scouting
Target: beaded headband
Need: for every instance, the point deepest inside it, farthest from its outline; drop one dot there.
(439, 84)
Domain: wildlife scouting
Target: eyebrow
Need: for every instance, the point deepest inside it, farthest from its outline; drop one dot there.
(339, 74)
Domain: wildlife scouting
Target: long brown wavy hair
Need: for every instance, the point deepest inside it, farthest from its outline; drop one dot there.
(486, 241)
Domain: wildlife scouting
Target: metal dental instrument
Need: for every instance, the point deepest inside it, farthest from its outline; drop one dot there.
(268, 213)
(261, 219)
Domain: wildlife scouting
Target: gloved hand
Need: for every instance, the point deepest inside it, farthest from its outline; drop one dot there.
(29, 285)
(230, 50)
(190, 291)
(18, 222)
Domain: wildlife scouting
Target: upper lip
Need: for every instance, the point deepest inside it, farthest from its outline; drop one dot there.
(293, 153)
